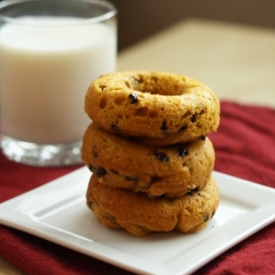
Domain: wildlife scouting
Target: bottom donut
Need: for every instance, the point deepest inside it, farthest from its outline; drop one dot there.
(136, 213)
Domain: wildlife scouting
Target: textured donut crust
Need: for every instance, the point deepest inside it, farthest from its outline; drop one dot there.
(170, 171)
(156, 107)
(121, 208)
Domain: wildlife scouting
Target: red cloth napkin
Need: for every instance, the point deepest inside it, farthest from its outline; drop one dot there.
(245, 147)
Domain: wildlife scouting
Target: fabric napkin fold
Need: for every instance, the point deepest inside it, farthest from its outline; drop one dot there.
(245, 147)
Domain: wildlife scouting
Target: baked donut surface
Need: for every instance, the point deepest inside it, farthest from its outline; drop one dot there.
(122, 208)
(171, 171)
(157, 108)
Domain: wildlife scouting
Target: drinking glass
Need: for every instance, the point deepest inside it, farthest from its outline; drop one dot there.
(50, 52)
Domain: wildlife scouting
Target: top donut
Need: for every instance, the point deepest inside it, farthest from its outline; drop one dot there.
(155, 108)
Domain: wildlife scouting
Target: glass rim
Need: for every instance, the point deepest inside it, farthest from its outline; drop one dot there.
(112, 11)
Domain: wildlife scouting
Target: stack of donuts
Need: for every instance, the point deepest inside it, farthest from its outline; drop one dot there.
(149, 153)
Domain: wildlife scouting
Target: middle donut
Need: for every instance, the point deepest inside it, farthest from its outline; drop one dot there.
(172, 171)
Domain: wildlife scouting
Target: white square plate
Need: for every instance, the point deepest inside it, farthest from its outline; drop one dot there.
(57, 212)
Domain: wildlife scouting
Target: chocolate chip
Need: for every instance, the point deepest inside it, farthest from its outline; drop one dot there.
(91, 168)
(206, 217)
(114, 127)
(114, 171)
(163, 126)
(193, 118)
(184, 127)
(101, 172)
(102, 87)
(155, 179)
(161, 157)
(190, 192)
(127, 84)
(90, 204)
(95, 152)
(203, 137)
(128, 178)
(133, 98)
(183, 152)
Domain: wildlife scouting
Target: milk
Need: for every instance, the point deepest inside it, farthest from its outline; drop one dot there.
(45, 73)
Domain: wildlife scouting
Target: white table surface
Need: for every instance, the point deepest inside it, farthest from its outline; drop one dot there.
(237, 62)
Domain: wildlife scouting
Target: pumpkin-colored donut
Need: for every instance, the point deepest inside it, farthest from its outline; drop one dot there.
(156, 108)
(122, 208)
(171, 171)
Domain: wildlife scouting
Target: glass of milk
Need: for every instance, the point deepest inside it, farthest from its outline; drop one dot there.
(50, 52)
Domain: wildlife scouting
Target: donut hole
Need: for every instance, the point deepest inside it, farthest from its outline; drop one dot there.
(102, 102)
(142, 112)
(119, 99)
(164, 85)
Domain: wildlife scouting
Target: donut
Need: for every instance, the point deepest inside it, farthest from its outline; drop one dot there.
(122, 208)
(155, 108)
(171, 171)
